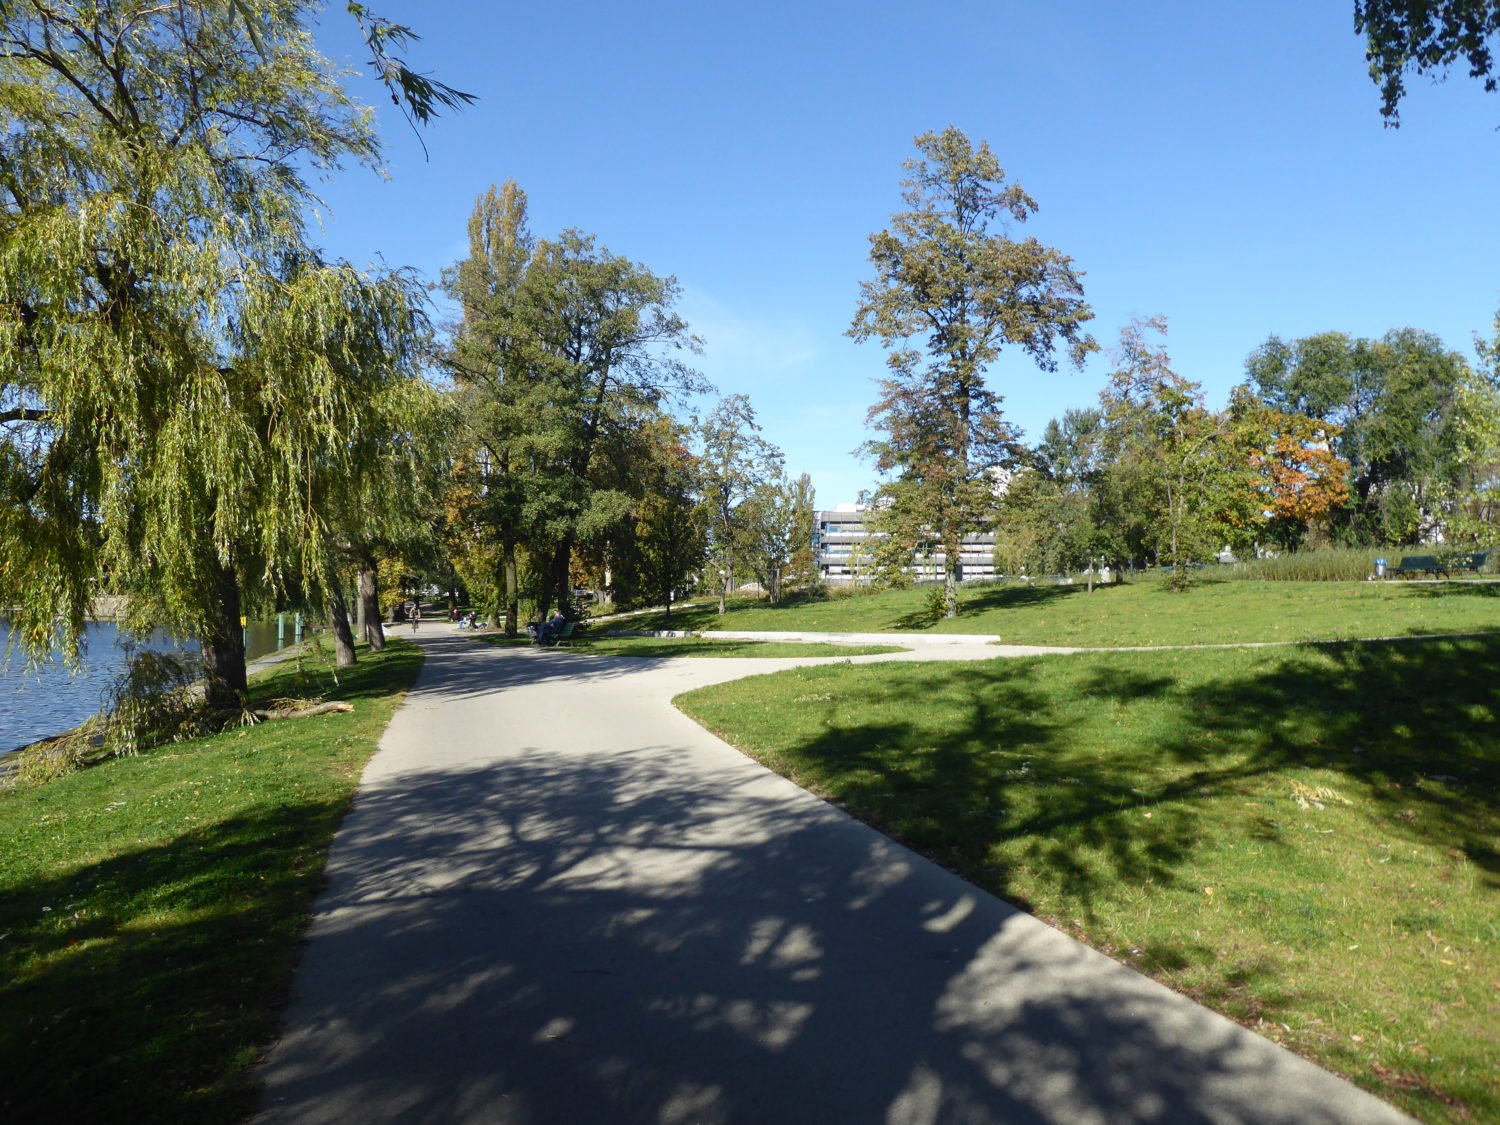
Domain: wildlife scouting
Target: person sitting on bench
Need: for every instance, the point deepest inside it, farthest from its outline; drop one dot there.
(554, 626)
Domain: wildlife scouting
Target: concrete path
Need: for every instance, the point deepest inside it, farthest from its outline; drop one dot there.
(559, 900)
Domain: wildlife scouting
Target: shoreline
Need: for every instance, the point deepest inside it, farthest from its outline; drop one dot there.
(10, 756)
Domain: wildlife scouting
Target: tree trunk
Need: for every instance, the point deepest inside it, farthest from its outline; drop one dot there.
(952, 568)
(512, 591)
(1172, 521)
(223, 644)
(338, 616)
(557, 581)
(562, 566)
(369, 600)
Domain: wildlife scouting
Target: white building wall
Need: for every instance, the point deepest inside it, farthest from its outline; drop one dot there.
(843, 548)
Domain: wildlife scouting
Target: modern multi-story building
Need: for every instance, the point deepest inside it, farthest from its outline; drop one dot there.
(844, 548)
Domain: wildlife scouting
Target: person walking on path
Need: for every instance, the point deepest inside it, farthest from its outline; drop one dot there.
(416, 616)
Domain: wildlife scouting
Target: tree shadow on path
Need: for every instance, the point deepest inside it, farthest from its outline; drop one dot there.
(633, 937)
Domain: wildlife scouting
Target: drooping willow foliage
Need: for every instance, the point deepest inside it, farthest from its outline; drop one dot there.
(190, 397)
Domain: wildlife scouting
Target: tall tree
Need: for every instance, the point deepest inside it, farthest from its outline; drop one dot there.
(1470, 491)
(770, 534)
(178, 368)
(603, 340)
(1297, 477)
(802, 568)
(1044, 526)
(1425, 37)
(736, 463)
(491, 360)
(383, 500)
(945, 280)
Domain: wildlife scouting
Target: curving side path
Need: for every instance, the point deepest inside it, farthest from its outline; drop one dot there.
(557, 899)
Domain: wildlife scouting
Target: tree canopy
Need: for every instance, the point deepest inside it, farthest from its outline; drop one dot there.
(1425, 37)
(565, 358)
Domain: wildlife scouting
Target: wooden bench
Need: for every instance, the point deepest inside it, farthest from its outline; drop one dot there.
(1432, 564)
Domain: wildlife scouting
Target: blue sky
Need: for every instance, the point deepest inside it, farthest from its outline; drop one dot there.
(1223, 166)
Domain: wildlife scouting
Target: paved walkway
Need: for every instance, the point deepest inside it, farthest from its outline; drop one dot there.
(557, 899)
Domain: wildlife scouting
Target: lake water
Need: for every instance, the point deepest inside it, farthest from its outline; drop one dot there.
(51, 699)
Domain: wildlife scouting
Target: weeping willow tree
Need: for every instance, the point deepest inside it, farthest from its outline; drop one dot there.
(182, 379)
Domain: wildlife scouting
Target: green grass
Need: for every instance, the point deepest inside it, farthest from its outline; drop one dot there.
(151, 907)
(694, 646)
(1304, 839)
(1143, 612)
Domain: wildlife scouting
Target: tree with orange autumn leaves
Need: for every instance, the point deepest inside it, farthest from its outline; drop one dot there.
(1297, 477)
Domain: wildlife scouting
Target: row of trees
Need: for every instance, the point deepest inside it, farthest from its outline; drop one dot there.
(1330, 438)
(571, 468)
(198, 409)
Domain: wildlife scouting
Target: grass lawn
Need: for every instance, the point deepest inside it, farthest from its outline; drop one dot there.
(151, 907)
(1142, 612)
(1304, 839)
(693, 646)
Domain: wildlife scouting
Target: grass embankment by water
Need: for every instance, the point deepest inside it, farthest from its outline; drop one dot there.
(1304, 839)
(151, 907)
(1214, 610)
(693, 646)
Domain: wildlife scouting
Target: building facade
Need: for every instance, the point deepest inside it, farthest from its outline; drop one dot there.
(844, 548)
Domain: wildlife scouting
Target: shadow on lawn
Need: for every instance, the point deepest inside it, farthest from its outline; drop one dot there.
(999, 775)
(981, 600)
(129, 1017)
(1415, 722)
(1455, 589)
(1412, 724)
